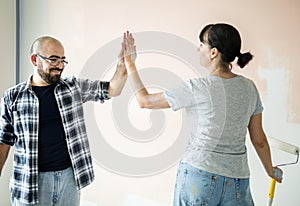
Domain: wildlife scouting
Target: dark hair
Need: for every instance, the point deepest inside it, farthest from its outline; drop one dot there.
(227, 40)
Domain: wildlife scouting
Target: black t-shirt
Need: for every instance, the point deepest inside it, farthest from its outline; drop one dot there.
(52, 152)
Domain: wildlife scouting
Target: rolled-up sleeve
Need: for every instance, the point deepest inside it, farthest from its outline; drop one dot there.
(7, 135)
(93, 90)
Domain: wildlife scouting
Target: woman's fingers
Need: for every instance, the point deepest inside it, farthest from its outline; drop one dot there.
(129, 47)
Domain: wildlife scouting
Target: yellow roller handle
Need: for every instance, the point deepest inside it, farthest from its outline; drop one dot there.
(272, 188)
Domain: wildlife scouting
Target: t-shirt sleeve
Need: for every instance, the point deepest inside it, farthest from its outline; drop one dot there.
(258, 108)
(184, 95)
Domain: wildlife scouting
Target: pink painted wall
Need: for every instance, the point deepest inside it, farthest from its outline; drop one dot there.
(269, 29)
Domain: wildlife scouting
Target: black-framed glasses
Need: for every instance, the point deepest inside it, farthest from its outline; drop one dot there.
(54, 61)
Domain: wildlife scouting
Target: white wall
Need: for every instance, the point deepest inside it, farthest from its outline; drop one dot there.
(92, 29)
(7, 77)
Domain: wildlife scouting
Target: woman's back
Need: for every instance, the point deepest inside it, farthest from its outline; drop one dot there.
(219, 111)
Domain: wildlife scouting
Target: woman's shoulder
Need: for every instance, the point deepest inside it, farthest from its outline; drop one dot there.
(207, 81)
(199, 81)
(247, 80)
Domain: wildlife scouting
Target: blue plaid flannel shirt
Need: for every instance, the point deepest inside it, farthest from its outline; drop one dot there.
(19, 125)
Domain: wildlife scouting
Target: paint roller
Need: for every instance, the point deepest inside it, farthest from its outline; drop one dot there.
(286, 147)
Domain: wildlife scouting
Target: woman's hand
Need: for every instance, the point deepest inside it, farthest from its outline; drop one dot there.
(277, 174)
(144, 99)
(129, 48)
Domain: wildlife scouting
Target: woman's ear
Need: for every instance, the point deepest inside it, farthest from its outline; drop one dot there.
(214, 52)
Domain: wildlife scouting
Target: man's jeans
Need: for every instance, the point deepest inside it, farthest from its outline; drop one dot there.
(56, 189)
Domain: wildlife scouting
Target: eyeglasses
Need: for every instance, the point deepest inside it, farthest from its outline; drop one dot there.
(53, 60)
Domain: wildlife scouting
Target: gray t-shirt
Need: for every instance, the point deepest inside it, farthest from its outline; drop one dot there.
(219, 111)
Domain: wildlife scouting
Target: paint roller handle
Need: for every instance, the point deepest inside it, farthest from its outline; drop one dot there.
(277, 173)
(272, 188)
(271, 191)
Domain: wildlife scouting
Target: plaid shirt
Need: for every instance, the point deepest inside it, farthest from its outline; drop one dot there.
(19, 126)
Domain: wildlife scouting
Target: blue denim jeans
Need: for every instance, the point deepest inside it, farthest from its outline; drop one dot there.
(195, 187)
(56, 189)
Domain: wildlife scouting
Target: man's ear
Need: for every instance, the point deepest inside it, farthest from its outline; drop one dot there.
(214, 52)
(33, 58)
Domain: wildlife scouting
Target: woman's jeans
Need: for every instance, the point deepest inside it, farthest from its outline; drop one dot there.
(195, 187)
(56, 189)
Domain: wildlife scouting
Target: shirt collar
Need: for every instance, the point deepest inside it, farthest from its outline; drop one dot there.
(29, 86)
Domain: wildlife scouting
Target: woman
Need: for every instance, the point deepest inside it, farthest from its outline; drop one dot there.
(221, 107)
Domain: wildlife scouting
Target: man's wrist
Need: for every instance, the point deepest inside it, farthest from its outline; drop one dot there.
(104, 86)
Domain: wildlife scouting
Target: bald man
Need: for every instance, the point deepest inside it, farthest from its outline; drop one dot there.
(43, 119)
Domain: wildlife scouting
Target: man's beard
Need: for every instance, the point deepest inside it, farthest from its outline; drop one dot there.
(47, 77)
